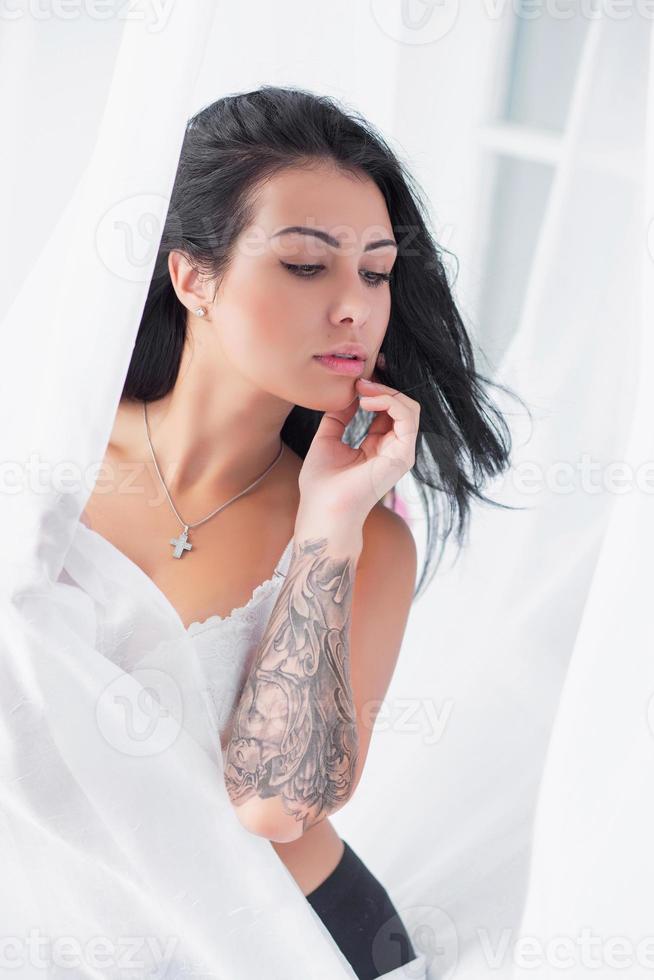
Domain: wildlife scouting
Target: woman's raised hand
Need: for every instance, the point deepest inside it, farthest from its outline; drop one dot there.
(346, 483)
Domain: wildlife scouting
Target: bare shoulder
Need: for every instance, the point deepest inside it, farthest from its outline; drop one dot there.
(127, 431)
(386, 536)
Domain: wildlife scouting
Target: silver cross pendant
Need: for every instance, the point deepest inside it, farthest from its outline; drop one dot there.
(181, 543)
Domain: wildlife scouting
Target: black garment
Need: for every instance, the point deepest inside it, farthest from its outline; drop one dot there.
(361, 918)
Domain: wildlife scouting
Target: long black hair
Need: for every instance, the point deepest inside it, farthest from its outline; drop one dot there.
(230, 147)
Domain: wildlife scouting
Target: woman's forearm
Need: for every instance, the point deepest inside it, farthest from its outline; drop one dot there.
(293, 748)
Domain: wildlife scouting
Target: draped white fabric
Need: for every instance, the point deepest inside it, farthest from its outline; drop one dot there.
(114, 863)
(537, 643)
(529, 659)
(590, 900)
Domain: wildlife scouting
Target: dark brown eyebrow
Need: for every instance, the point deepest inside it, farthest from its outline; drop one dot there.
(330, 240)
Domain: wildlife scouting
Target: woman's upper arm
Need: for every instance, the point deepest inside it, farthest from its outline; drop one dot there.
(381, 601)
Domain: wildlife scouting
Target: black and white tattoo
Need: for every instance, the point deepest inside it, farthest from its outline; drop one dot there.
(294, 734)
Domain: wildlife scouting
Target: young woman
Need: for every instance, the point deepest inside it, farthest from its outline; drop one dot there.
(293, 232)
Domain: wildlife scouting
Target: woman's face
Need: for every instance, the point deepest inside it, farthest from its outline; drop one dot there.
(272, 320)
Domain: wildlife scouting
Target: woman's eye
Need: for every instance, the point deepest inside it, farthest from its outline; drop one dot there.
(377, 277)
(308, 271)
(304, 271)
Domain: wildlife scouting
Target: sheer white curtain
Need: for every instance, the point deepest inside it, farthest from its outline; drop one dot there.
(114, 863)
(590, 903)
(537, 644)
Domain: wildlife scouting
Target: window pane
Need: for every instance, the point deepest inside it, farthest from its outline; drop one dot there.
(519, 196)
(543, 63)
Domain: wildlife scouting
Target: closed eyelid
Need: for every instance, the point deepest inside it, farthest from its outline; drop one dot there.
(369, 265)
(313, 252)
(320, 266)
(310, 270)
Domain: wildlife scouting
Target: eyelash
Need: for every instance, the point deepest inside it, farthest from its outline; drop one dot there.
(379, 277)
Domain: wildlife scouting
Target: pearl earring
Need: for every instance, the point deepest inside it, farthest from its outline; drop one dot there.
(200, 311)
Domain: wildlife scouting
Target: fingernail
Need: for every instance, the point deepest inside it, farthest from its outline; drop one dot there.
(367, 381)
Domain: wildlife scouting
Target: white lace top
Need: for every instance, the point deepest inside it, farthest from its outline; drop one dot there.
(226, 646)
(198, 672)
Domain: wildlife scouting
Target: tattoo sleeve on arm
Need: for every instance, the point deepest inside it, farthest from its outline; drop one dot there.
(294, 734)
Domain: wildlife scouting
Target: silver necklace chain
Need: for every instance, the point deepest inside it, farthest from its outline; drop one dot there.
(181, 544)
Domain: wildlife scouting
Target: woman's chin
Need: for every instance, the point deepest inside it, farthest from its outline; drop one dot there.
(330, 402)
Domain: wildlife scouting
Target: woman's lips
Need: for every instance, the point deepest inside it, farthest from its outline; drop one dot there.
(342, 365)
